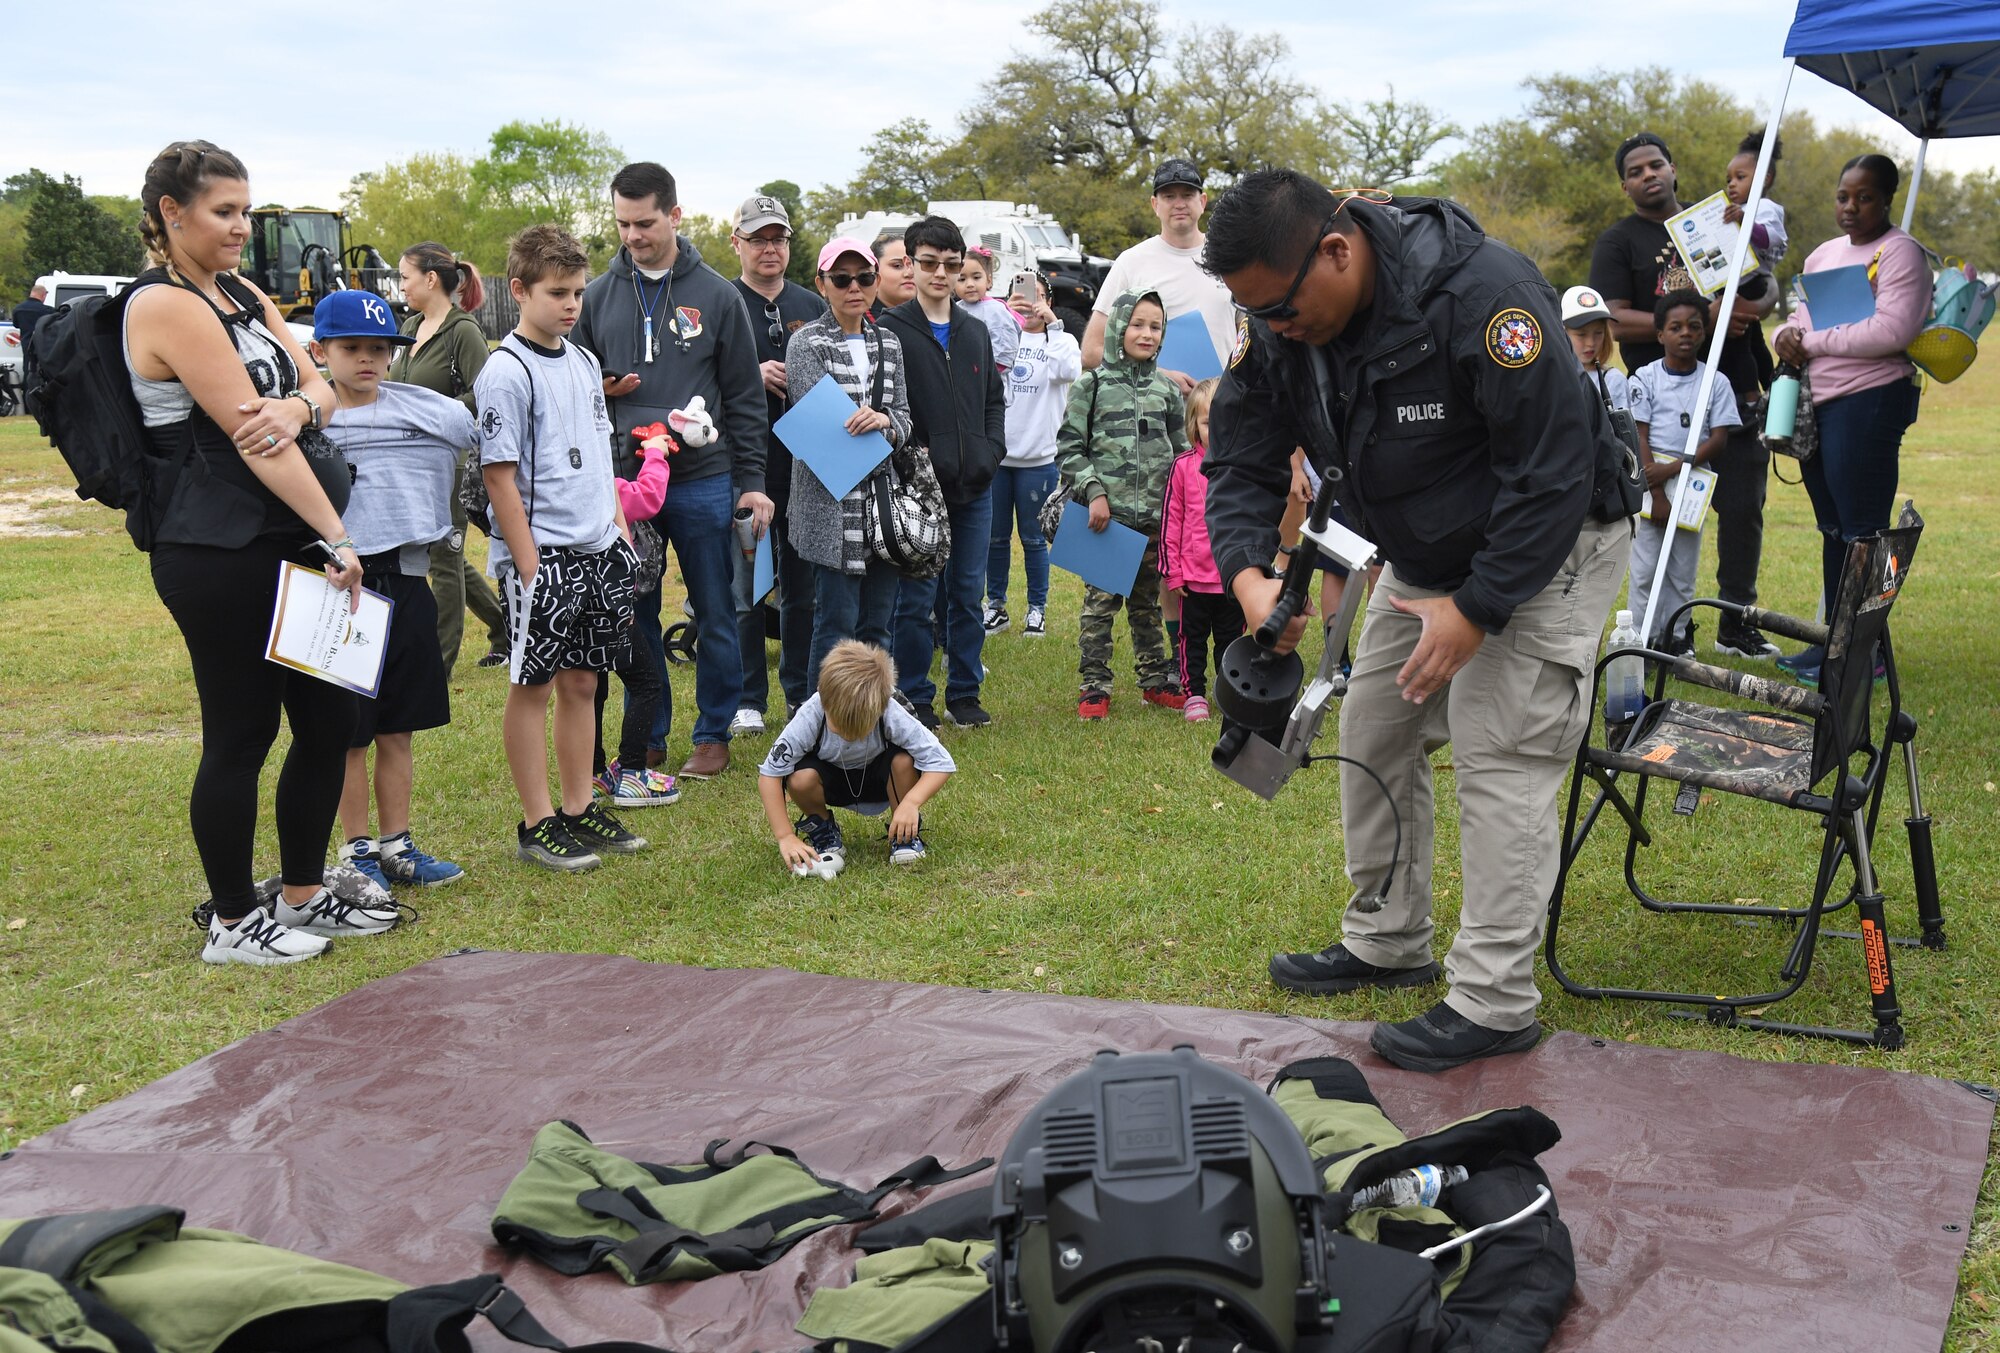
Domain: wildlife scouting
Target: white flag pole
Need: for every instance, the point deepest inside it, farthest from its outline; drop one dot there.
(1916, 184)
(1708, 375)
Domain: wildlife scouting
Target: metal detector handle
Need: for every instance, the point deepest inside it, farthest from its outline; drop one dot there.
(1302, 560)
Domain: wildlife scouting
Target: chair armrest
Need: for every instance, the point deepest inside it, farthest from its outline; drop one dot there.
(1805, 631)
(1776, 694)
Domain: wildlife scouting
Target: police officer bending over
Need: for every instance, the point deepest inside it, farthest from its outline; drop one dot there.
(1426, 363)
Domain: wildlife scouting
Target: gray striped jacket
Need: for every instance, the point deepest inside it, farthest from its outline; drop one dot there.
(824, 530)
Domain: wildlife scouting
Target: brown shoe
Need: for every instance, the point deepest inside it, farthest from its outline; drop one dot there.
(709, 759)
(656, 757)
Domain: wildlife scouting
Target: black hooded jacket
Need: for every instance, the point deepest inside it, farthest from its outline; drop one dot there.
(1452, 407)
(958, 407)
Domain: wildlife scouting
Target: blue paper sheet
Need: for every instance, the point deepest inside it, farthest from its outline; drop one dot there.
(1838, 296)
(1187, 348)
(814, 430)
(1108, 560)
(763, 573)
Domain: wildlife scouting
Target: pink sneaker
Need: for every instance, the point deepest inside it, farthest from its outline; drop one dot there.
(1197, 709)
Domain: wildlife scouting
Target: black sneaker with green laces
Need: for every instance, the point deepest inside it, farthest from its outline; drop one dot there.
(549, 844)
(596, 829)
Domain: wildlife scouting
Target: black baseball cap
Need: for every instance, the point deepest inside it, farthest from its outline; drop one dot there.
(1177, 171)
(1632, 143)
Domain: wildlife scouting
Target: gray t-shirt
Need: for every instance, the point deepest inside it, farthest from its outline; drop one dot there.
(563, 462)
(405, 449)
(809, 734)
(1664, 401)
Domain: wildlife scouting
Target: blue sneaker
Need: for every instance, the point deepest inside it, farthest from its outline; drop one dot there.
(910, 851)
(365, 855)
(404, 863)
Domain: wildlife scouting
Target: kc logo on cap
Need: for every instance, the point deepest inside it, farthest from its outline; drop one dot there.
(355, 314)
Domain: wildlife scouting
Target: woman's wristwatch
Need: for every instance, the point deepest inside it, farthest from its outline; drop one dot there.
(313, 414)
(333, 548)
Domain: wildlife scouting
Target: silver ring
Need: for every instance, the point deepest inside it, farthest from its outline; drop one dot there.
(270, 439)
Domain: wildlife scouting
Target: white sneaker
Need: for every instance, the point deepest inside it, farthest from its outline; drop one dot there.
(326, 915)
(260, 940)
(747, 721)
(1037, 624)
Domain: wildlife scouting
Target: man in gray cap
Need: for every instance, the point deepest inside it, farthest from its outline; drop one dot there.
(762, 239)
(1170, 264)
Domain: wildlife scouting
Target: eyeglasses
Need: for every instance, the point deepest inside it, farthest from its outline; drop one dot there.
(951, 266)
(1282, 308)
(776, 330)
(766, 241)
(843, 280)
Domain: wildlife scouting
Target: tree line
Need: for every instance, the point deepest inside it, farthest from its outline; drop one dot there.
(1076, 124)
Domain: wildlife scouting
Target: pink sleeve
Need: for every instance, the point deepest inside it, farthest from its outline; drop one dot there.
(1902, 303)
(642, 495)
(1173, 521)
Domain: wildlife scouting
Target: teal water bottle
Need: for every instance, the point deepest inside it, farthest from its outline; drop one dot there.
(1784, 410)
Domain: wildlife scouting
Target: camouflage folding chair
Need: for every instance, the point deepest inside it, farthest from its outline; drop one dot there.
(1812, 751)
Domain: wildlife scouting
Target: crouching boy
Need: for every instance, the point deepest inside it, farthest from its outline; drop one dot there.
(851, 746)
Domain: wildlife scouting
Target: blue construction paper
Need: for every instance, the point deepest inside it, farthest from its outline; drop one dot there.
(1187, 348)
(1838, 296)
(1108, 560)
(763, 573)
(815, 430)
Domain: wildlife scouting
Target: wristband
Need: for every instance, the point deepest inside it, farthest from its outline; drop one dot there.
(332, 549)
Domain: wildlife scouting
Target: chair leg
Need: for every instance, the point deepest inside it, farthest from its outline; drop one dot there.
(1923, 864)
(1875, 941)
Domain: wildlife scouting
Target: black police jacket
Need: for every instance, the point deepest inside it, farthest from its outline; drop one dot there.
(1453, 408)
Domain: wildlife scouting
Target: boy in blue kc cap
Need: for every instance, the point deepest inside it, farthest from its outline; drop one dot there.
(402, 444)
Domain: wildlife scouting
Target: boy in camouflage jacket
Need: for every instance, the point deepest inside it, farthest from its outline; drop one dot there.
(1124, 427)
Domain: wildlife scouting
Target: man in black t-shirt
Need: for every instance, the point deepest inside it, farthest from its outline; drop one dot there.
(1634, 264)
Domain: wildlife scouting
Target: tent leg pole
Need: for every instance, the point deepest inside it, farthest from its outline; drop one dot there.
(1916, 184)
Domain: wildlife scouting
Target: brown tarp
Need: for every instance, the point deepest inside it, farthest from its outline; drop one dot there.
(1715, 1203)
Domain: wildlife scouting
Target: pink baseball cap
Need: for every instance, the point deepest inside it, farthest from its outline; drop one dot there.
(844, 244)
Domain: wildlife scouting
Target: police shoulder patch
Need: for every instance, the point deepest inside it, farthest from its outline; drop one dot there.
(1513, 338)
(1242, 344)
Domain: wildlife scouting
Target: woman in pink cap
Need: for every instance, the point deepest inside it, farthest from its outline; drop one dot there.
(854, 594)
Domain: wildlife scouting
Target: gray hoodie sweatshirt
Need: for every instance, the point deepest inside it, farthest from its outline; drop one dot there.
(694, 306)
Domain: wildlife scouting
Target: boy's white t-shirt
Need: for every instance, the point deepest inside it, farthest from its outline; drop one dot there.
(1037, 385)
(809, 734)
(1155, 265)
(404, 449)
(1663, 400)
(563, 462)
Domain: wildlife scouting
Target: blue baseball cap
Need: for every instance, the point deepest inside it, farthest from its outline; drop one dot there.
(355, 314)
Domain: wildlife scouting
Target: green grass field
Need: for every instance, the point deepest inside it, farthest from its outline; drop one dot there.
(1104, 860)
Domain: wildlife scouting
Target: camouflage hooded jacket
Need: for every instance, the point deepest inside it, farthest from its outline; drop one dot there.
(1125, 425)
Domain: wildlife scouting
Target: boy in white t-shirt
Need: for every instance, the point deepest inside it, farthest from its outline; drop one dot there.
(1663, 407)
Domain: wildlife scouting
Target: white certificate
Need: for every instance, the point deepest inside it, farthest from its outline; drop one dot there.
(1694, 503)
(1705, 241)
(313, 631)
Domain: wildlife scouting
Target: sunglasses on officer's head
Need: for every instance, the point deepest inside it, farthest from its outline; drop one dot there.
(1282, 308)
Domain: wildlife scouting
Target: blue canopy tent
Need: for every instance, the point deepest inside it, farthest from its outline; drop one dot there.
(1932, 65)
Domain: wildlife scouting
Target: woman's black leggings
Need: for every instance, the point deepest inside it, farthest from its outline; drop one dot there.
(222, 601)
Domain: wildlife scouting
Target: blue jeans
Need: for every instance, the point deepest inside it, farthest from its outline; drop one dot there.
(795, 625)
(850, 606)
(1018, 495)
(952, 597)
(1852, 481)
(695, 521)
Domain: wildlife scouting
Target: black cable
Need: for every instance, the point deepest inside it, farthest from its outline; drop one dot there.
(1380, 898)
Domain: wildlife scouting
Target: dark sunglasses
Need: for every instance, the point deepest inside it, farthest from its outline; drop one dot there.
(1282, 308)
(843, 280)
(776, 329)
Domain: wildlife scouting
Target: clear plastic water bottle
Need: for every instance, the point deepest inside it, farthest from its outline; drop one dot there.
(1419, 1186)
(1624, 680)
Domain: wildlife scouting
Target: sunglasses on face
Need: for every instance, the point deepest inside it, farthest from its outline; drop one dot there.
(843, 280)
(951, 266)
(1282, 308)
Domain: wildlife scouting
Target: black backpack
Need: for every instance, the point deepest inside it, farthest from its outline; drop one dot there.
(81, 396)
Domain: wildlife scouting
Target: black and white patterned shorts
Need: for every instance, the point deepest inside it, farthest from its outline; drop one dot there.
(579, 613)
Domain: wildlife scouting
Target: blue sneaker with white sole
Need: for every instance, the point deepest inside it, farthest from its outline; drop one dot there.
(404, 863)
(365, 855)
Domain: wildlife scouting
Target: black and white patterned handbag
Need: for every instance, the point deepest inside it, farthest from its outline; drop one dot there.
(903, 519)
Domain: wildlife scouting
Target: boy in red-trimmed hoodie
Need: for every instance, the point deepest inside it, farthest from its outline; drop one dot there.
(628, 782)
(1209, 614)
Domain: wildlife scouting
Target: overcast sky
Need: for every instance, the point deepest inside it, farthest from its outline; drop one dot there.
(730, 98)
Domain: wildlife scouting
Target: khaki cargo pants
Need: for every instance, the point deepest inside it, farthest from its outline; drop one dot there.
(1513, 717)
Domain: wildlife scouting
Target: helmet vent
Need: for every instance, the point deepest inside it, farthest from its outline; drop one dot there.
(1221, 1130)
(1069, 1140)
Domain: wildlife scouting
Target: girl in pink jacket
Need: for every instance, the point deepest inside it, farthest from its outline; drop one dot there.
(1209, 614)
(628, 782)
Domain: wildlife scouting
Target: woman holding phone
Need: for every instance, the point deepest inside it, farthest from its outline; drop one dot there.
(1047, 362)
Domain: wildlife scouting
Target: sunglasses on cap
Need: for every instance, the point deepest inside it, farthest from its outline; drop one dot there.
(1282, 308)
(843, 280)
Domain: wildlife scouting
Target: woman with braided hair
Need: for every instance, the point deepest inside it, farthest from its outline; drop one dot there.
(227, 396)
(449, 350)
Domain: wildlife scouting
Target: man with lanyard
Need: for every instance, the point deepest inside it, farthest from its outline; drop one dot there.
(1170, 264)
(762, 239)
(1424, 363)
(667, 327)
(1632, 265)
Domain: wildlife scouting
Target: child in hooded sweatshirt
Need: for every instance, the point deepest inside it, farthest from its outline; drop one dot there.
(628, 781)
(1124, 426)
(1187, 561)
